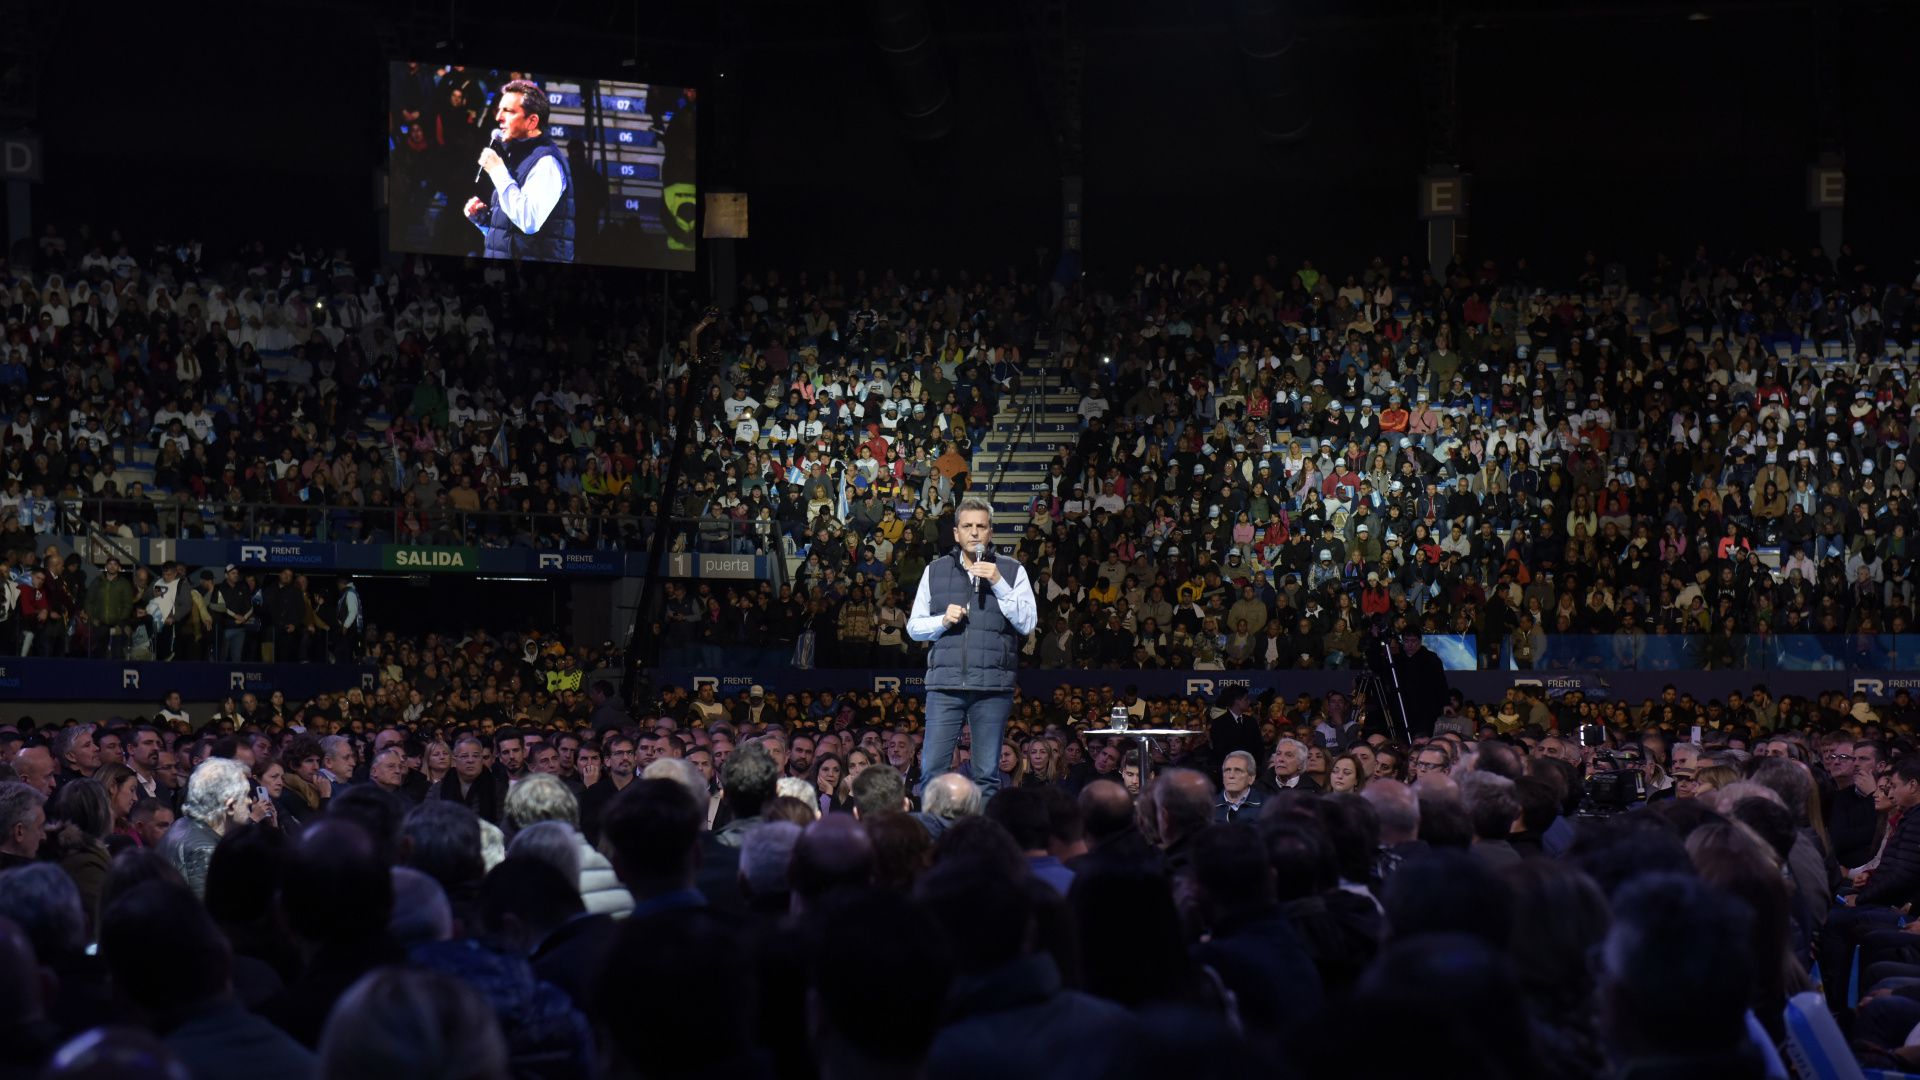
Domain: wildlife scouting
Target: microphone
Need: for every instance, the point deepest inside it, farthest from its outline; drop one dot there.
(495, 144)
(979, 554)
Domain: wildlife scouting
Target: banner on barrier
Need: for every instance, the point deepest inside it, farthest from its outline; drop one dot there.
(733, 567)
(146, 682)
(417, 559)
(402, 558)
(1633, 687)
(605, 563)
(281, 553)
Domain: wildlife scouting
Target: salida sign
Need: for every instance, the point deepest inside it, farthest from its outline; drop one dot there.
(415, 560)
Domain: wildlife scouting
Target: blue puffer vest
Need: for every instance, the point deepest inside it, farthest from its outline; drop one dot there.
(983, 653)
(554, 241)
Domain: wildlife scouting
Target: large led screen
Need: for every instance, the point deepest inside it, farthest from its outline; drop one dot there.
(506, 164)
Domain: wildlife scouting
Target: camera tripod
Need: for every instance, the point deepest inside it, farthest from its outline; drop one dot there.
(1375, 688)
(1380, 672)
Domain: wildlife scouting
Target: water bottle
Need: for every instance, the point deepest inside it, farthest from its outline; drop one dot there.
(1120, 717)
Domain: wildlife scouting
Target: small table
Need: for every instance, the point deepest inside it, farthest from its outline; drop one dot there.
(1146, 737)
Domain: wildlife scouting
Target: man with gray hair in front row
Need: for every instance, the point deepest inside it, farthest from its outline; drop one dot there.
(336, 760)
(1287, 768)
(23, 824)
(1240, 799)
(541, 798)
(219, 799)
(948, 798)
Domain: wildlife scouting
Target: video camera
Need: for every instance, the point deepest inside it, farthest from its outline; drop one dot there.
(1378, 643)
(1615, 785)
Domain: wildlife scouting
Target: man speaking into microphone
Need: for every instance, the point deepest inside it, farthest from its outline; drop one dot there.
(530, 212)
(975, 607)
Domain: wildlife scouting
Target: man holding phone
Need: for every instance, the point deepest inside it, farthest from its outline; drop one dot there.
(219, 799)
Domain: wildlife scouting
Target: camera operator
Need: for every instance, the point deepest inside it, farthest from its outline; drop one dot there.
(1423, 683)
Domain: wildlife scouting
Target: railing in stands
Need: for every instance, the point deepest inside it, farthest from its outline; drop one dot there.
(1032, 406)
(1598, 655)
(99, 520)
(1028, 409)
(116, 548)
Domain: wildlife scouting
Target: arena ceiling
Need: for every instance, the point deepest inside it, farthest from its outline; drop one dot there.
(1679, 121)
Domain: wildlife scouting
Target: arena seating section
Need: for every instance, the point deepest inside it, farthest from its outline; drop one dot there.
(1694, 465)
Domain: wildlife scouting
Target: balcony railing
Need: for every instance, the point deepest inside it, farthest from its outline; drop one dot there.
(1839, 651)
(182, 520)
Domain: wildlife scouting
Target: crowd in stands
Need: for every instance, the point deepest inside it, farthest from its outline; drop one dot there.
(1709, 451)
(346, 888)
(50, 606)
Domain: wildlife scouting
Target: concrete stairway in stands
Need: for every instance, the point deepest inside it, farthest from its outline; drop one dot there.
(1032, 442)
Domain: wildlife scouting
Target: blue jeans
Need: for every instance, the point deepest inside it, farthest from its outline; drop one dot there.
(985, 713)
(233, 644)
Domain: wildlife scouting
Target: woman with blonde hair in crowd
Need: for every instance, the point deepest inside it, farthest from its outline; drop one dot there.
(436, 761)
(1713, 778)
(1043, 762)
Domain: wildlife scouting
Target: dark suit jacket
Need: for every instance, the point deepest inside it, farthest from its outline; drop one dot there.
(1125, 850)
(1225, 734)
(593, 803)
(1852, 824)
(301, 1009)
(1020, 1021)
(1423, 687)
(1897, 879)
(719, 875)
(487, 796)
(219, 1038)
(573, 956)
(570, 957)
(1272, 787)
(1264, 961)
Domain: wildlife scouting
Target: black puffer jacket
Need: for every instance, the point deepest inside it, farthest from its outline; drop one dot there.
(1897, 879)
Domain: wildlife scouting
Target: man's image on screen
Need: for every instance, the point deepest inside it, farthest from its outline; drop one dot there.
(529, 211)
